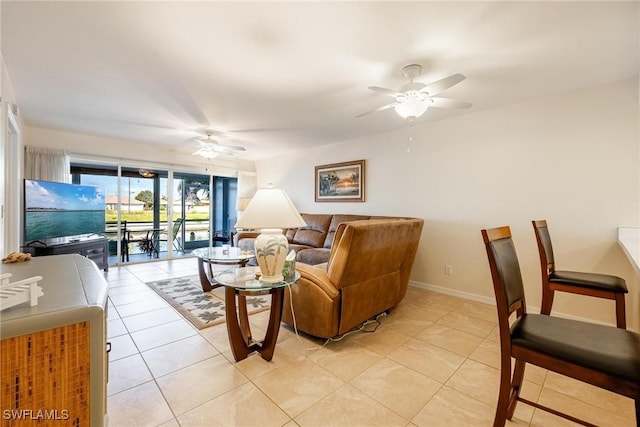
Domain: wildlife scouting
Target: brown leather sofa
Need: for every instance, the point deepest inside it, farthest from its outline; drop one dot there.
(367, 273)
(313, 242)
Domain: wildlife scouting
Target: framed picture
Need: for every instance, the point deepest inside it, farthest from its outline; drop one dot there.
(340, 182)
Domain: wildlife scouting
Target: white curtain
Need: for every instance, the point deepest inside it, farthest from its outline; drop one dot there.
(247, 187)
(47, 164)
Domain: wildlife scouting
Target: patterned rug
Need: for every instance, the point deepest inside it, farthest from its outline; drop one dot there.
(202, 309)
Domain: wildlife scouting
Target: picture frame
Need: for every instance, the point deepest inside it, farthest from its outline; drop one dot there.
(340, 182)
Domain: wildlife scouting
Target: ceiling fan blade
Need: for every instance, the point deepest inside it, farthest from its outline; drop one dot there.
(203, 143)
(384, 107)
(233, 147)
(442, 84)
(226, 149)
(449, 103)
(385, 91)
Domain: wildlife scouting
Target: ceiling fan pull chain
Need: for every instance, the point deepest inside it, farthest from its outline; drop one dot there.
(409, 137)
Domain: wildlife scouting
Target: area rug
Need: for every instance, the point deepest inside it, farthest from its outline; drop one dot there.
(202, 309)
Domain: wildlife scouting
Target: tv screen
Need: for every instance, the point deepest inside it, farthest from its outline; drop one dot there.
(56, 209)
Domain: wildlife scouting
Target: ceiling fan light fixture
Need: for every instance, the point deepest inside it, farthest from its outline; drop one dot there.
(146, 173)
(207, 153)
(412, 108)
(210, 148)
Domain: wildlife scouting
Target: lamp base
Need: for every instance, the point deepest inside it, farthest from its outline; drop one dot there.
(271, 248)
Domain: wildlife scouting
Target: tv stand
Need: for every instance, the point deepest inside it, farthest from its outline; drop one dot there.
(96, 248)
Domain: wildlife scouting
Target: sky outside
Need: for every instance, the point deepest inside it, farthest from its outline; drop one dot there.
(131, 186)
(56, 195)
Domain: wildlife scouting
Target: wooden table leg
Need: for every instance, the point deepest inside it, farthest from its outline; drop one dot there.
(207, 284)
(243, 317)
(239, 330)
(239, 347)
(275, 316)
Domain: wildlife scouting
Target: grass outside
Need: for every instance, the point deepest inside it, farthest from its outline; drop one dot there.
(147, 216)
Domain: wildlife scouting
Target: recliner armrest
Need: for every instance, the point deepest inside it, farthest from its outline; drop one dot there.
(318, 277)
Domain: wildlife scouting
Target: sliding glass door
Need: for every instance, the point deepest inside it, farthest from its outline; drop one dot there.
(157, 213)
(142, 214)
(191, 207)
(224, 213)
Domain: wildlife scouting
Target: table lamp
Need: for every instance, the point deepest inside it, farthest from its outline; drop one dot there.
(270, 211)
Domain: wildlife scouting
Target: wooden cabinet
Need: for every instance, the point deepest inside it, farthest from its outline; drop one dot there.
(53, 356)
(96, 249)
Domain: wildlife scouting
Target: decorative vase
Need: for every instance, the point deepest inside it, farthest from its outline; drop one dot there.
(271, 248)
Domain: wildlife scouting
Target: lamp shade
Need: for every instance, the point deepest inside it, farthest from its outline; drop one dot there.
(270, 208)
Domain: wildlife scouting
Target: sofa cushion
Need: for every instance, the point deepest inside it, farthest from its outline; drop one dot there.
(289, 233)
(315, 232)
(336, 220)
(313, 256)
(299, 249)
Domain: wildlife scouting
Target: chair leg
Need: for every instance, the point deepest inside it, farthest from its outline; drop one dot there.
(509, 390)
(516, 386)
(547, 300)
(124, 250)
(621, 316)
(500, 418)
(638, 411)
(502, 408)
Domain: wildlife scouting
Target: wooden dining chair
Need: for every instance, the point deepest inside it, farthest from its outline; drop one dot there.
(600, 355)
(591, 284)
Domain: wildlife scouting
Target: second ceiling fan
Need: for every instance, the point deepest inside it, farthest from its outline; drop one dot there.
(413, 99)
(210, 148)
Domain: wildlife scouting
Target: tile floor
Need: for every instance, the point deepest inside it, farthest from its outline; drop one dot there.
(433, 361)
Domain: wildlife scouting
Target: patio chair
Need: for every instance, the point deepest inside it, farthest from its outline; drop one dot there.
(177, 243)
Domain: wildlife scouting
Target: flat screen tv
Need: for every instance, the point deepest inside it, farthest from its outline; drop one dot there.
(56, 209)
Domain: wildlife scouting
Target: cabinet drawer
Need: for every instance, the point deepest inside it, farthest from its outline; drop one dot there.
(94, 251)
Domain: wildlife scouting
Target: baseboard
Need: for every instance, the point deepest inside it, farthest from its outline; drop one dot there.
(491, 301)
(453, 292)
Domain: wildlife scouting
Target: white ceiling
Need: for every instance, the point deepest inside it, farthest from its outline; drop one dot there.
(283, 76)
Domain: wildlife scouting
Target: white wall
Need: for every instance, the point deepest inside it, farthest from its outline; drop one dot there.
(573, 160)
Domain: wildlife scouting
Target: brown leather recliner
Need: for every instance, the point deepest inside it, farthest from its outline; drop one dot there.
(367, 273)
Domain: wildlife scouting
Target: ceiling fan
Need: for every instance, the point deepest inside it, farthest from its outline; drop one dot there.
(210, 148)
(413, 99)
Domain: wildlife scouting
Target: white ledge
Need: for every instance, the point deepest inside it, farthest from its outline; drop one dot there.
(629, 240)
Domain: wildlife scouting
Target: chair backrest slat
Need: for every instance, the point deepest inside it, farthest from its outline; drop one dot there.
(545, 248)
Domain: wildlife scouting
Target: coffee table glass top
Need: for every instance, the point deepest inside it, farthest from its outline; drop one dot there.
(217, 254)
(246, 278)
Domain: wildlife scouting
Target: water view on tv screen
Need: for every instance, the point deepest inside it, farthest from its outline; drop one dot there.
(56, 209)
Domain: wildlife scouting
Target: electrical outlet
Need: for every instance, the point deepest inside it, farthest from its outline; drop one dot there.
(448, 269)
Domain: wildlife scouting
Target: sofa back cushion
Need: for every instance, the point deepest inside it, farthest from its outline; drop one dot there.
(336, 220)
(314, 233)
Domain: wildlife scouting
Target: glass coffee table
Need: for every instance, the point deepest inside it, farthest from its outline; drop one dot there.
(239, 283)
(218, 255)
